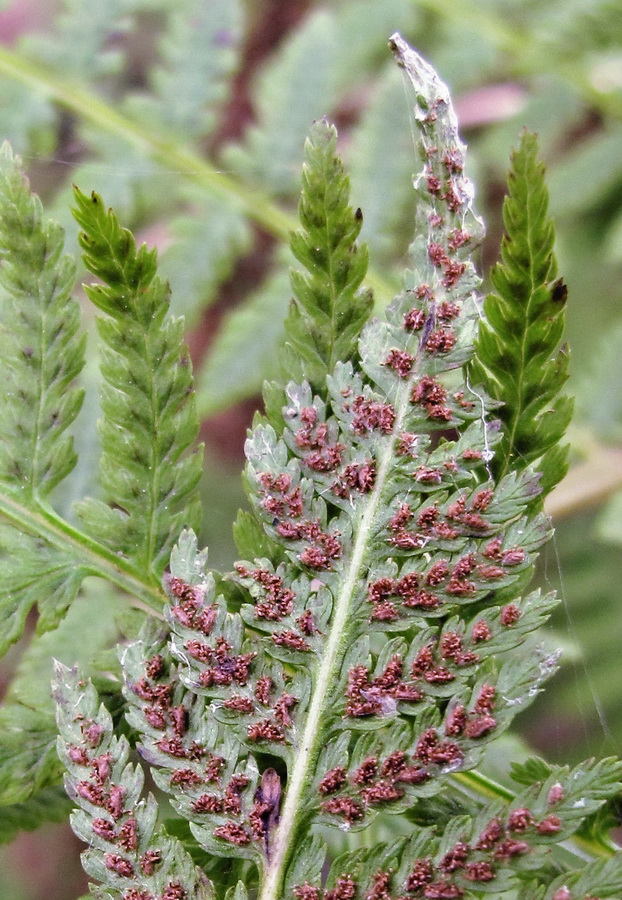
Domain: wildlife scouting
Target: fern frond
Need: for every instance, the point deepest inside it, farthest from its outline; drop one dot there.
(372, 526)
(79, 43)
(41, 355)
(379, 633)
(199, 56)
(41, 350)
(518, 356)
(148, 468)
(28, 760)
(493, 851)
(128, 853)
(329, 311)
(246, 349)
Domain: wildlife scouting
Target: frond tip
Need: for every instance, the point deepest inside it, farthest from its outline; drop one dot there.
(149, 468)
(518, 355)
(41, 349)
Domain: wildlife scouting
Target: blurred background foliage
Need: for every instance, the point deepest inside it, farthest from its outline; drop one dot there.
(189, 116)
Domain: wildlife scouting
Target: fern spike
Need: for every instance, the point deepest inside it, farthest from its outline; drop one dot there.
(149, 468)
(518, 356)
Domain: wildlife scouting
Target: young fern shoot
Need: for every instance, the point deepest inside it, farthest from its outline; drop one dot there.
(378, 633)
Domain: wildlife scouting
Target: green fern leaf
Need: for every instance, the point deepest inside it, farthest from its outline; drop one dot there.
(518, 354)
(28, 761)
(329, 311)
(33, 573)
(49, 805)
(207, 241)
(76, 44)
(245, 350)
(148, 471)
(41, 351)
(199, 56)
(41, 355)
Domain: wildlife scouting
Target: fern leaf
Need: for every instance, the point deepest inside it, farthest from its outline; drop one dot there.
(206, 244)
(518, 354)
(28, 760)
(199, 56)
(245, 350)
(41, 355)
(127, 853)
(49, 805)
(490, 852)
(324, 324)
(41, 350)
(76, 45)
(148, 471)
(379, 634)
(33, 573)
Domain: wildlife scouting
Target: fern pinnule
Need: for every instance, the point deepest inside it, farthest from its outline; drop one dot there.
(149, 469)
(129, 854)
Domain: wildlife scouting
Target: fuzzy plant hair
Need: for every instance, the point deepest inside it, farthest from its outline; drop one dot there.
(312, 720)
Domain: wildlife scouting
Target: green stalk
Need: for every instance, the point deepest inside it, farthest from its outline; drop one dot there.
(92, 555)
(172, 156)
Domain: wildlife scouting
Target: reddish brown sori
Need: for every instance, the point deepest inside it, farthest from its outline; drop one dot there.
(375, 782)
(471, 861)
(377, 696)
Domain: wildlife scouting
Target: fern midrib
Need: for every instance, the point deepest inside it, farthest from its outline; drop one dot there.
(313, 738)
(36, 473)
(92, 556)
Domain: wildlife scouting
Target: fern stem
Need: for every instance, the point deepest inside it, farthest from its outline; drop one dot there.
(173, 157)
(95, 558)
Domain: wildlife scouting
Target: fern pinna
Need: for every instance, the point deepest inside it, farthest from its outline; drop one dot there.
(378, 634)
